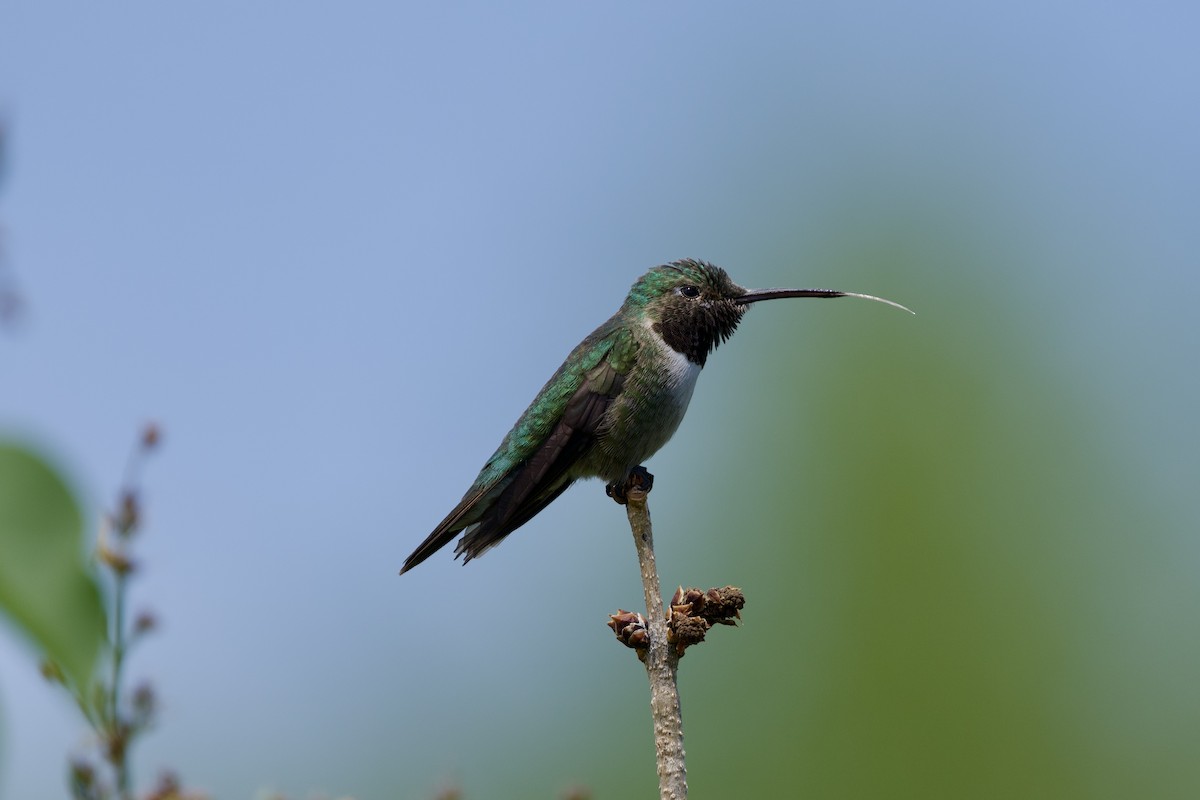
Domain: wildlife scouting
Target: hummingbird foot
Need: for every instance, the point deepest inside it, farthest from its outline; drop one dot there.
(639, 478)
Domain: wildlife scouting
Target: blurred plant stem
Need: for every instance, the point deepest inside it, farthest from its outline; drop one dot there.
(120, 725)
(118, 749)
(116, 717)
(661, 659)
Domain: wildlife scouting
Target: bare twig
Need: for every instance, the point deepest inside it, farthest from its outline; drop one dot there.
(661, 660)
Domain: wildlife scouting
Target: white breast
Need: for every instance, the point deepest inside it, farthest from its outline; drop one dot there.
(681, 373)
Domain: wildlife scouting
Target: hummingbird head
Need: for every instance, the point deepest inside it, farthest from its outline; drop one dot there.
(694, 305)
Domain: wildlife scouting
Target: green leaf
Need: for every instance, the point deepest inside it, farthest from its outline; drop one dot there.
(46, 585)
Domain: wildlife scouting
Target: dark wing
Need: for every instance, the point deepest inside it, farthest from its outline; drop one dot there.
(516, 496)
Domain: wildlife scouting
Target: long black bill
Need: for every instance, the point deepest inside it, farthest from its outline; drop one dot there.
(754, 295)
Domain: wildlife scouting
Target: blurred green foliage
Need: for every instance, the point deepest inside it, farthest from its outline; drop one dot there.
(47, 588)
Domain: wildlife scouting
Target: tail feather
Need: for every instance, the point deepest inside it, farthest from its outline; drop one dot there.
(490, 531)
(540, 453)
(434, 542)
(483, 532)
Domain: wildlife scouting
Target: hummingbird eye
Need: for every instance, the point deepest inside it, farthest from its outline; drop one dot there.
(689, 291)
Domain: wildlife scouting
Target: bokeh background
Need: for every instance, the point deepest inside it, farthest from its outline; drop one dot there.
(335, 249)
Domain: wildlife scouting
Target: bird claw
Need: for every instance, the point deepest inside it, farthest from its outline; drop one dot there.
(639, 478)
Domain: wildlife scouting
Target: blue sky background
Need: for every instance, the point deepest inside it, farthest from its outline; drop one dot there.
(334, 251)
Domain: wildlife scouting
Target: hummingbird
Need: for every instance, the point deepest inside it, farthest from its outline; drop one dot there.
(616, 400)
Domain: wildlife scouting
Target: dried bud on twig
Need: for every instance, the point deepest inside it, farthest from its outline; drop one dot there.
(723, 606)
(692, 598)
(694, 611)
(630, 628)
(684, 631)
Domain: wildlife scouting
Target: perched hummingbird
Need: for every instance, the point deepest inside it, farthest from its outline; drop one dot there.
(613, 403)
